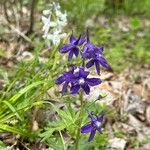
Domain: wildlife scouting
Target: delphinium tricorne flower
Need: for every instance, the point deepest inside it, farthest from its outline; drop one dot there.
(94, 54)
(72, 47)
(95, 124)
(77, 79)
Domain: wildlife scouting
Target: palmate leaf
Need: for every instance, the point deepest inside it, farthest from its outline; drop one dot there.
(68, 120)
(66, 115)
(53, 126)
(55, 143)
(45, 135)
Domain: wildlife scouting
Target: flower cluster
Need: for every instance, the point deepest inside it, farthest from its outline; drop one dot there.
(77, 77)
(54, 21)
(94, 125)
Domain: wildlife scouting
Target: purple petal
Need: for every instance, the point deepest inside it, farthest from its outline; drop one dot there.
(90, 47)
(70, 55)
(99, 50)
(72, 68)
(92, 135)
(60, 80)
(70, 77)
(77, 41)
(86, 128)
(90, 63)
(93, 81)
(81, 41)
(86, 88)
(86, 55)
(75, 88)
(72, 39)
(66, 48)
(104, 63)
(64, 89)
(85, 48)
(88, 51)
(76, 51)
(97, 67)
(83, 73)
(101, 117)
(99, 130)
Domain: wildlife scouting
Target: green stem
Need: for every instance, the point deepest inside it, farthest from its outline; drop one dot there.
(80, 121)
(63, 142)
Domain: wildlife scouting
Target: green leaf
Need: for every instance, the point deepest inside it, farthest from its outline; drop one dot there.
(8, 116)
(66, 116)
(55, 143)
(24, 90)
(12, 109)
(3, 146)
(14, 130)
(45, 135)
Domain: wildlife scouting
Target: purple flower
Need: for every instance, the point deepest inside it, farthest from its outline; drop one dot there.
(77, 78)
(73, 46)
(95, 124)
(66, 78)
(81, 80)
(95, 54)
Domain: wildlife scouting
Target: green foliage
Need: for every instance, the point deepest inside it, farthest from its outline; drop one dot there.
(55, 143)
(68, 120)
(17, 106)
(139, 7)
(24, 90)
(79, 11)
(135, 23)
(2, 146)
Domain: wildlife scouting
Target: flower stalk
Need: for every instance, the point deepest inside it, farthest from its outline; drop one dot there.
(80, 121)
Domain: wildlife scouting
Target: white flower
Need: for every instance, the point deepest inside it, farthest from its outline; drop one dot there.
(46, 27)
(46, 12)
(56, 37)
(53, 26)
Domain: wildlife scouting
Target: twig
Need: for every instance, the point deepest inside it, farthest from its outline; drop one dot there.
(21, 34)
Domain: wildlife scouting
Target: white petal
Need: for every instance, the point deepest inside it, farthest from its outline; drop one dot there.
(46, 12)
